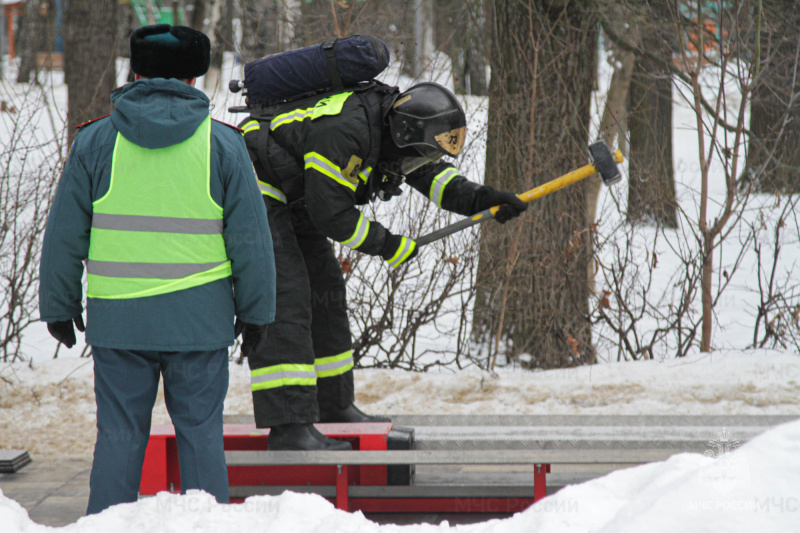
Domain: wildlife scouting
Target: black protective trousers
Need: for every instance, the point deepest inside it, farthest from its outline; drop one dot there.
(306, 364)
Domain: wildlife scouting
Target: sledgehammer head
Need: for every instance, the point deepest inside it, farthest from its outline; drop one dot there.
(605, 162)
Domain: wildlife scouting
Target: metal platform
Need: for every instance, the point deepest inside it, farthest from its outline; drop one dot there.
(579, 432)
(495, 459)
(686, 433)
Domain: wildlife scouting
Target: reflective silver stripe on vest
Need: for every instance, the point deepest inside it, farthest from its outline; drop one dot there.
(190, 226)
(344, 363)
(278, 376)
(114, 269)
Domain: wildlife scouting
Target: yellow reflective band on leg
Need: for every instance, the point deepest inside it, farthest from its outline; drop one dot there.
(362, 229)
(403, 251)
(324, 166)
(439, 183)
(282, 375)
(334, 365)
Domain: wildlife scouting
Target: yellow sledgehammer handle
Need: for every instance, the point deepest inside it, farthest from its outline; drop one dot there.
(528, 196)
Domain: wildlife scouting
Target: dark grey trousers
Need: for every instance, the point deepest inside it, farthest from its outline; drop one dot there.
(126, 384)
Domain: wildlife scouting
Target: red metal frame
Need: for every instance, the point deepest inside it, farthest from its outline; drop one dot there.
(160, 472)
(540, 472)
(439, 505)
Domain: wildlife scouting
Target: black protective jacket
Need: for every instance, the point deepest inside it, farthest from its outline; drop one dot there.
(321, 154)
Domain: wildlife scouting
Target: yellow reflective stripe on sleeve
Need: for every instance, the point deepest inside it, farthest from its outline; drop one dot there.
(291, 116)
(273, 192)
(331, 105)
(252, 125)
(334, 365)
(403, 251)
(282, 375)
(439, 182)
(362, 229)
(324, 166)
(364, 174)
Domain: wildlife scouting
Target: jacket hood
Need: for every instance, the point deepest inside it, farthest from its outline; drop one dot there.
(159, 112)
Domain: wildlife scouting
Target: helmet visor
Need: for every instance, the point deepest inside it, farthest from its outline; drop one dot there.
(412, 163)
(452, 141)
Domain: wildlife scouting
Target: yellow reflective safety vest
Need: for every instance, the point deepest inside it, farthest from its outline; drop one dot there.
(157, 229)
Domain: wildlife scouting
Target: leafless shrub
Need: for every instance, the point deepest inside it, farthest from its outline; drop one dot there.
(31, 158)
(777, 321)
(401, 317)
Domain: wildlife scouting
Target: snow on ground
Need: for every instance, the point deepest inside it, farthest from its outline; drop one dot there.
(753, 488)
(48, 407)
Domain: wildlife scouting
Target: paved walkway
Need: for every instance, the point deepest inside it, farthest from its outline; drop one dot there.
(55, 493)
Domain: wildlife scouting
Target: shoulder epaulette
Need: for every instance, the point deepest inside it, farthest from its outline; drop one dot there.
(239, 130)
(79, 126)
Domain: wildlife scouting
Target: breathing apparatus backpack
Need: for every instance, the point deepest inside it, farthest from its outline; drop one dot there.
(274, 84)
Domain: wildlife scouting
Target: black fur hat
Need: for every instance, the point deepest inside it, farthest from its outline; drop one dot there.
(164, 51)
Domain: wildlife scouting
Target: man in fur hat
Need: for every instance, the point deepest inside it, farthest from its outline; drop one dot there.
(162, 204)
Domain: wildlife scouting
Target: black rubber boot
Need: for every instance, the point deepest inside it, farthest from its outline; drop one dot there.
(302, 437)
(350, 414)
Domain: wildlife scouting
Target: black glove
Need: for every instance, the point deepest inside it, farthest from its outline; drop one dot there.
(510, 205)
(397, 250)
(390, 186)
(253, 337)
(63, 331)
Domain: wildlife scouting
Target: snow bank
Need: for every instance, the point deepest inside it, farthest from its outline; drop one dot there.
(753, 488)
(735, 382)
(48, 407)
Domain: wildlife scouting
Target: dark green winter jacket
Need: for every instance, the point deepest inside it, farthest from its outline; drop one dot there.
(155, 114)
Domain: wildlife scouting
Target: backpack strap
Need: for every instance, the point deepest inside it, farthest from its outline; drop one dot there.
(377, 100)
(258, 148)
(333, 67)
(262, 148)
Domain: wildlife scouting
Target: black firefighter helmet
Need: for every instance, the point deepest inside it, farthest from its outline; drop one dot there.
(428, 118)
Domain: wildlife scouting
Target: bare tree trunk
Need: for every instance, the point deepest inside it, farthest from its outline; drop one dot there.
(220, 32)
(773, 159)
(90, 43)
(419, 52)
(289, 15)
(651, 183)
(259, 26)
(711, 231)
(543, 70)
(461, 33)
(198, 20)
(475, 50)
(3, 41)
(613, 127)
(28, 40)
